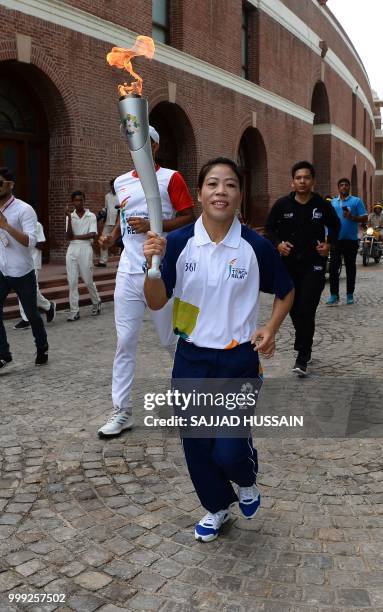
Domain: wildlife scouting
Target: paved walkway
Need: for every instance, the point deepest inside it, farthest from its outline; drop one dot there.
(108, 524)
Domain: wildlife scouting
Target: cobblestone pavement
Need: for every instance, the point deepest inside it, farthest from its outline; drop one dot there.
(109, 524)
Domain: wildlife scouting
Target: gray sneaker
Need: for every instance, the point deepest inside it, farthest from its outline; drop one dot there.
(96, 309)
(74, 316)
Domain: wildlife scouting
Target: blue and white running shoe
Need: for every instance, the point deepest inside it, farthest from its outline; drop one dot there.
(208, 527)
(249, 500)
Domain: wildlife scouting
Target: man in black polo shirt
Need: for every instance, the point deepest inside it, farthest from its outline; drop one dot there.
(297, 226)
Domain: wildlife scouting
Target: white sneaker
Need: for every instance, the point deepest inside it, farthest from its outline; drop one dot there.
(208, 527)
(118, 422)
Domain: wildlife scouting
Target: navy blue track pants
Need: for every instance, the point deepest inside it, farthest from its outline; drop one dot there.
(214, 463)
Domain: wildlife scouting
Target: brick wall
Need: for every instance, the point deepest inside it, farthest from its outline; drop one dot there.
(78, 93)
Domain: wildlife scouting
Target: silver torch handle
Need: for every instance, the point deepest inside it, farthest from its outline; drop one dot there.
(135, 119)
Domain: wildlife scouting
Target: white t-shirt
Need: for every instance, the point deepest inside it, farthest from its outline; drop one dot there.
(216, 286)
(111, 201)
(133, 204)
(86, 224)
(16, 259)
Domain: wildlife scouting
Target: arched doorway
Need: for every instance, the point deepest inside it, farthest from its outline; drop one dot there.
(252, 157)
(24, 141)
(354, 181)
(365, 188)
(321, 142)
(177, 143)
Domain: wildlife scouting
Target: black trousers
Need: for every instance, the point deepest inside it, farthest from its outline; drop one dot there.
(309, 282)
(25, 289)
(349, 250)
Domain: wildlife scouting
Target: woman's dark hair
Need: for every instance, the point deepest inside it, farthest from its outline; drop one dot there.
(6, 174)
(77, 193)
(225, 161)
(303, 165)
(111, 183)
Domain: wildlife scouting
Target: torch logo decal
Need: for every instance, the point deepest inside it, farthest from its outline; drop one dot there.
(232, 262)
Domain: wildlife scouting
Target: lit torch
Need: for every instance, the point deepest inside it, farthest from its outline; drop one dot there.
(134, 115)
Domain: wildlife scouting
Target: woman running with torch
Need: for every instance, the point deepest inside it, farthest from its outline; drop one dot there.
(215, 314)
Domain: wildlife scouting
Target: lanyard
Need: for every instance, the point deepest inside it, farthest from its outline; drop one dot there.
(8, 205)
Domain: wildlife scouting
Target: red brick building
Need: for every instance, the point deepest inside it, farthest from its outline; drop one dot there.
(378, 149)
(267, 82)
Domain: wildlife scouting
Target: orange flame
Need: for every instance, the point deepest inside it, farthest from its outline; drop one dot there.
(122, 58)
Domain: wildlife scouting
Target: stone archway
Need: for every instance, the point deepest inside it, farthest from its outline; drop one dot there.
(33, 124)
(354, 181)
(24, 141)
(252, 157)
(321, 141)
(177, 142)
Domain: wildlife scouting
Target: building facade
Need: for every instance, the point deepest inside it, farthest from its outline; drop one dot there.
(378, 149)
(266, 82)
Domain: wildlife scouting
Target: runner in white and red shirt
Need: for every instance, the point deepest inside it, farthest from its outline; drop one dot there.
(129, 299)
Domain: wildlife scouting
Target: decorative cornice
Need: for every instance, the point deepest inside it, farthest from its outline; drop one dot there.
(329, 129)
(59, 13)
(280, 13)
(344, 37)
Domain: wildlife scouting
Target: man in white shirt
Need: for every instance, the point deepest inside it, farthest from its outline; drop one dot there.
(81, 228)
(110, 212)
(129, 299)
(42, 302)
(17, 236)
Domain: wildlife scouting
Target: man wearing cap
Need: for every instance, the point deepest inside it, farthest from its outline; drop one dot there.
(129, 299)
(375, 219)
(351, 211)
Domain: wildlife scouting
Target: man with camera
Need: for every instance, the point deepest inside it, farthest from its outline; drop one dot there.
(351, 211)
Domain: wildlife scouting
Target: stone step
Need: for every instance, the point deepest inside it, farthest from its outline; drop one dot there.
(61, 291)
(54, 286)
(62, 303)
(61, 279)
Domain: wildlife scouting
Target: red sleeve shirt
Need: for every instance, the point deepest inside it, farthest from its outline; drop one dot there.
(179, 193)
